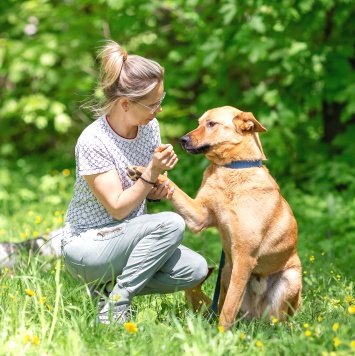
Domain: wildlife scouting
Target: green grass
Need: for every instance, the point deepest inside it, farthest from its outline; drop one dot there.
(59, 318)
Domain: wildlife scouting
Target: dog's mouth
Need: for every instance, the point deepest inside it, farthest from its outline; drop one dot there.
(196, 150)
(190, 148)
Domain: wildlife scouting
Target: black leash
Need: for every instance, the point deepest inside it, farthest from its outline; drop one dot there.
(214, 306)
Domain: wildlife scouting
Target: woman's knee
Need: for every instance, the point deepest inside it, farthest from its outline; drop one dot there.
(199, 269)
(174, 225)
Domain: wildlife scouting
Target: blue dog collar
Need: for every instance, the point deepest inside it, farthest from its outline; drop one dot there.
(244, 164)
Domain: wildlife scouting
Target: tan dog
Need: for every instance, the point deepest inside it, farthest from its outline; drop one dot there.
(262, 274)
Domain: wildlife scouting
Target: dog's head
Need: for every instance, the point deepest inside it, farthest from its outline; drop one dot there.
(225, 134)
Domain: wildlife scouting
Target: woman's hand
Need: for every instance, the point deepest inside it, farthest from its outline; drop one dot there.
(162, 191)
(164, 158)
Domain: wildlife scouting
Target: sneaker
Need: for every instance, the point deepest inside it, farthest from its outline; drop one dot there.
(99, 296)
(115, 314)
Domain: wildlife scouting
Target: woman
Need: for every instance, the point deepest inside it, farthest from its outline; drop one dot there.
(108, 236)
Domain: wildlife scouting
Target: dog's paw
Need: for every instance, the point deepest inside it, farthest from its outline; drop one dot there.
(134, 172)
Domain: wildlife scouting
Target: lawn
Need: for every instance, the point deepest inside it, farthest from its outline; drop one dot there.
(45, 312)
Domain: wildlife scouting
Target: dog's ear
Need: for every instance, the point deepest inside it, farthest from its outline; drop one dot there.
(246, 121)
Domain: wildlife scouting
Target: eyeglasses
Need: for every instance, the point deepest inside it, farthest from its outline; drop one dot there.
(156, 106)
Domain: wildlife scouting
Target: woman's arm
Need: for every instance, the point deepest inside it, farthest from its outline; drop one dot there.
(120, 203)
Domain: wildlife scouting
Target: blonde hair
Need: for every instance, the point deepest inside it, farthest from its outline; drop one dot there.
(124, 76)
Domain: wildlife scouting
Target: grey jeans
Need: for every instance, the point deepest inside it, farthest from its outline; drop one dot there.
(142, 255)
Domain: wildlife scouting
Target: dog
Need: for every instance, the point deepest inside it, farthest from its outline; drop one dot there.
(262, 275)
(46, 245)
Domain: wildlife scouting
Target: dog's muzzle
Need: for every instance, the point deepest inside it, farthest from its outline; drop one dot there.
(188, 146)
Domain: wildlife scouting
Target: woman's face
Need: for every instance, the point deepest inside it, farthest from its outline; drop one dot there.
(141, 112)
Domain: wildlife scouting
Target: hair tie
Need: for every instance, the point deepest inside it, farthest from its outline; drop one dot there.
(125, 55)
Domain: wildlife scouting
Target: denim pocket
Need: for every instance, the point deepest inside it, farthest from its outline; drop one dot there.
(77, 270)
(110, 232)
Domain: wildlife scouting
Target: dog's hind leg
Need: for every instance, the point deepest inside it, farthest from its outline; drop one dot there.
(283, 295)
(195, 296)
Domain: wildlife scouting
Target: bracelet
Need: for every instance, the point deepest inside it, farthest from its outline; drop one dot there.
(147, 181)
(153, 200)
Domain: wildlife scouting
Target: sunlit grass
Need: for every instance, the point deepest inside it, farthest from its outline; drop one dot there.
(43, 311)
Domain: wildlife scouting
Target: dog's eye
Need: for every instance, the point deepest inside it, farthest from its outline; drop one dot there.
(211, 124)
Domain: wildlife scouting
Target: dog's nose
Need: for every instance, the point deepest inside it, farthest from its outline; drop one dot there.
(185, 139)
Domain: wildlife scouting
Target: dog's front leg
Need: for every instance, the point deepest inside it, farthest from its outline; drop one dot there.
(194, 211)
(241, 272)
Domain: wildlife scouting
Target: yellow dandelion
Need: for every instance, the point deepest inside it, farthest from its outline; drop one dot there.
(30, 292)
(304, 272)
(275, 320)
(242, 336)
(335, 327)
(305, 325)
(320, 319)
(312, 258)
(349, 299)
(116, 297)
(6, 269)
(336, 342)
(338, 276)
(351, 309)
(22, 235)
(308, 333)
(2, 231)
(31, 338)
(3, 286)
(48, 307)
(42, 300)
(11, 296)
(220, 329)
(131, 327)
(259, 343)
(66, 172)
(352, 344)
(38, 219)
(35, 234)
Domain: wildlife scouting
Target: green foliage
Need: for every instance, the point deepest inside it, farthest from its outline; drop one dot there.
(290, 62)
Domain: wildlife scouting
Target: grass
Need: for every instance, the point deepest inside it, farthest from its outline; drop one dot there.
(43, 311)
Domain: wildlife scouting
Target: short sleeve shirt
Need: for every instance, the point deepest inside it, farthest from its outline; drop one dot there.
(100, 149)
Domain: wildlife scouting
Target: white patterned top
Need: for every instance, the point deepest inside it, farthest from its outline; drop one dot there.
(100, 149)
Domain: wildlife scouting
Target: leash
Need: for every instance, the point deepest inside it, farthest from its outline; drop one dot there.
(218, 285)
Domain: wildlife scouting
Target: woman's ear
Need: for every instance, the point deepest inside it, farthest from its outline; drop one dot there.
(124, 104)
